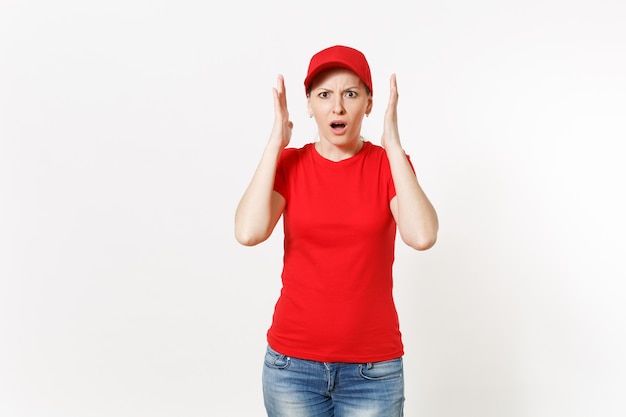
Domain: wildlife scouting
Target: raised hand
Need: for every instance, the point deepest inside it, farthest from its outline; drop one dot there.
(281, 130)
(391, 136)
(260, 206)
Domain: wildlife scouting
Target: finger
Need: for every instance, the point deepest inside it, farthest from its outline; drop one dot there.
(280, 100)
(393, 90)
(275, 95)
(281, 90)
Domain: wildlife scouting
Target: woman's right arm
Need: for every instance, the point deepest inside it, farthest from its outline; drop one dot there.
(260, 206)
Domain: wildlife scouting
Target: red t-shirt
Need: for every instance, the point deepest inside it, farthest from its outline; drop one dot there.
(336, 302)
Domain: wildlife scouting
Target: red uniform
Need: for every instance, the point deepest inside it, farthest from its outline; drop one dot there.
(336, 303)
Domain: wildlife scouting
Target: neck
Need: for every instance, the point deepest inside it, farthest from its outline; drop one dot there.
(338, 151)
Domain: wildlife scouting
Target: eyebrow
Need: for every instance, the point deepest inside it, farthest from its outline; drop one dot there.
(356, 87)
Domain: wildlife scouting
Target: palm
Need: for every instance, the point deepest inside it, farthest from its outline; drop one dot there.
(281, 131)
(390, 127)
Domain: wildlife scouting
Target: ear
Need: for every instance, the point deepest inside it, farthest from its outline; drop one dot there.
(308, 106)
(370, 104)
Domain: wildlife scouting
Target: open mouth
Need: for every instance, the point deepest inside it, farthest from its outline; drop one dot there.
(337, 125)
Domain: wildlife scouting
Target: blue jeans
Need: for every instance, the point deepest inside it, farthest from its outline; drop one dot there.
(302, 388)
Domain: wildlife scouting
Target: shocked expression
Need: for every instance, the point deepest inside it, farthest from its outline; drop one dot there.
(338, 101)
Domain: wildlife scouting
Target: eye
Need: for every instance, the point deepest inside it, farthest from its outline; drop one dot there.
(323, 94)
(351, 94)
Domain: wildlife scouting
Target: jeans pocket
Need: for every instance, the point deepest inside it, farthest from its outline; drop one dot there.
(276, 360)
(382, 370)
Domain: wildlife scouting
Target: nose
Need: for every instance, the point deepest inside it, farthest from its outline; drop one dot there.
(338, 105)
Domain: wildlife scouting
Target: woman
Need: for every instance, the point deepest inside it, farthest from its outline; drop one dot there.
(334, 346)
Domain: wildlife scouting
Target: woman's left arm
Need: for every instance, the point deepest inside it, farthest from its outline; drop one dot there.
(415, 215)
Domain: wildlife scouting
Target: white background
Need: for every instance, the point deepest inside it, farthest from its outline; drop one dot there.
(129, 130)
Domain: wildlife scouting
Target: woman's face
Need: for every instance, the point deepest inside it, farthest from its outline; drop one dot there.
(338, 101)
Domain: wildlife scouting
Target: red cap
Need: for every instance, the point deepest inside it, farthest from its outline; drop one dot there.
(339, 56)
